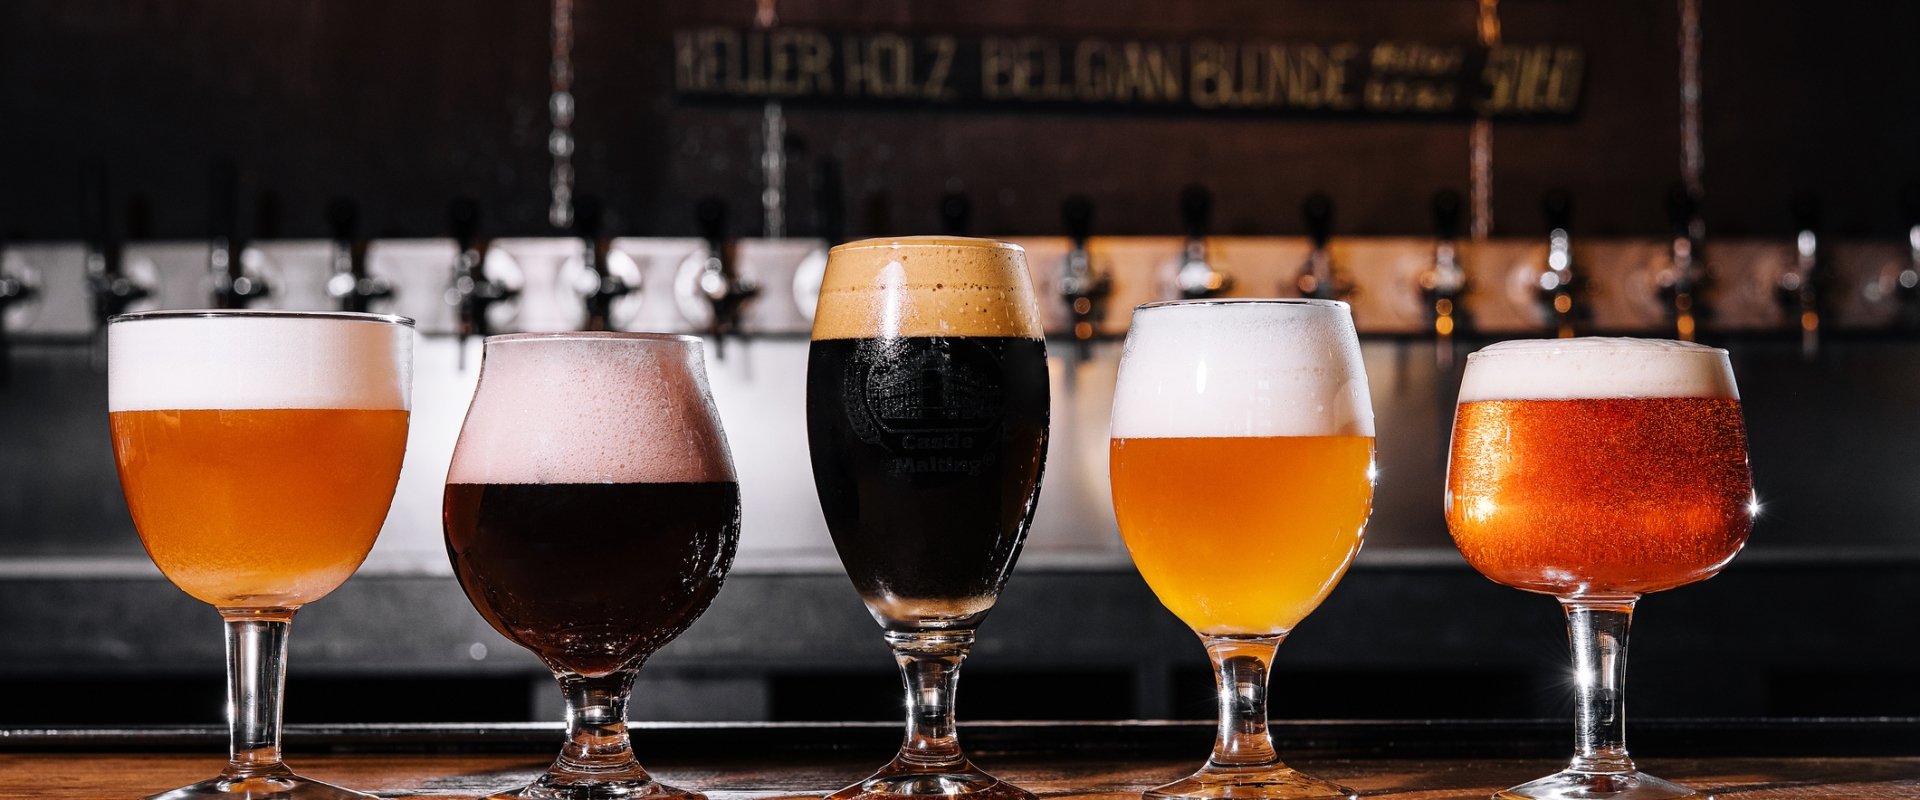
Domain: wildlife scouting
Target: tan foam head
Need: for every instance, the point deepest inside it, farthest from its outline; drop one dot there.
(926, 286)
(592, 408)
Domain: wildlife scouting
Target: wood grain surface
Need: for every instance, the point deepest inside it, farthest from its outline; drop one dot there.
(746, 776)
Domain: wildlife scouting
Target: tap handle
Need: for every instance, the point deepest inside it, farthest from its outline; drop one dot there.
(955, 212)
(1076, 212)
(829, 201)
(711, 215)
(139, 217)
(1317, 212)
(343, 219)
(463, 218)
(1805, 206)
(1682, 208)
(587, 217)
(222, 202)
(1446, 214)
(1196, 210)
(95, 222)
(1557, 206)
(1910, 204)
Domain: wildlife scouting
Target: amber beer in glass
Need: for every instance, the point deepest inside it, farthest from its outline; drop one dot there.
(1242, 468)
(1597, 470)
(258, 452)
(927, 406)
(591, 514)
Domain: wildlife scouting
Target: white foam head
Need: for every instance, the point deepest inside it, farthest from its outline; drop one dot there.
(592, 408)
(1242, 368)
(179, 360)
(1596, 368)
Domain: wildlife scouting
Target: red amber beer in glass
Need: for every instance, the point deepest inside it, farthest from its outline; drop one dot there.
(1598, 470)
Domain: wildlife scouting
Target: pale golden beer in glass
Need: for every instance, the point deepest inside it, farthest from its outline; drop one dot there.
(258, 451)
(1242, 469)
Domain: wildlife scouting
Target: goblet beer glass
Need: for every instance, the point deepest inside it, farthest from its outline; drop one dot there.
(1597, 470)
(258, 452)
(927, 422)
(591, 515)
(1242, 468)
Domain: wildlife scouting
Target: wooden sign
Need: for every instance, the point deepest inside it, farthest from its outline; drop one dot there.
(1196, 76)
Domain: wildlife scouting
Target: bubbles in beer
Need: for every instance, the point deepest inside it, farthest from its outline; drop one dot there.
(1596, 368)
(241, 360)
(1238, 369)
(591, 408)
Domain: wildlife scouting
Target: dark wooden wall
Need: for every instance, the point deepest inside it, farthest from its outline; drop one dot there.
(405, 105)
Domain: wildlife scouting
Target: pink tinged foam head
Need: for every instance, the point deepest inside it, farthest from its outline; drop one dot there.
(592, 408)
(1596, 368)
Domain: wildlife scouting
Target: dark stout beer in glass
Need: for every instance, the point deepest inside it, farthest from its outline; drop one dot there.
(927, 398)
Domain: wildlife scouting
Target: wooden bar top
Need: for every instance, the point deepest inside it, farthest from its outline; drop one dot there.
(1107, 761)
(75, 776)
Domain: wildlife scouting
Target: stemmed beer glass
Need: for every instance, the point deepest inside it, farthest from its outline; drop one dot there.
(258, 451)
(1242, 468)
(1598, 470)
(591, 515)
(927, 421)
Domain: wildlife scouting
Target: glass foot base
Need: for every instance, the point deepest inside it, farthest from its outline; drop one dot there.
(896, 781)
(1570, 785)
(1273, 782)
(561, 787)
(281, 785)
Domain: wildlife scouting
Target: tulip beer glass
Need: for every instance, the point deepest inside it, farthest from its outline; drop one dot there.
(1242, 468)
(258, 451)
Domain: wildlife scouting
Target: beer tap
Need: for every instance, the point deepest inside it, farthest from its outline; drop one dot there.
(1686, 274)
(1319, 278)
(1909, 277)
(829, 210)
(472, 293)
(234, 286)
(16, 288)
(350, 285)
(1445, 282)
(719, 282)
(1559, 283)
(597, 284)
(1083, 287)
(1195, 277)
(956, 211)
(1803, 287)
(113, 291)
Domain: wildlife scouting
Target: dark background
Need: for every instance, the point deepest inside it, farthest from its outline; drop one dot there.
(405, 105)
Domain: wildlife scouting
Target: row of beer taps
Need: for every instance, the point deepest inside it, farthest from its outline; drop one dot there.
(714, 281)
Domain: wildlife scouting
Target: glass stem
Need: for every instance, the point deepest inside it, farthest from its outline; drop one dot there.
(930, 671)
(1240, 669)
(597, 742)
(1597, 628)
(256, 678)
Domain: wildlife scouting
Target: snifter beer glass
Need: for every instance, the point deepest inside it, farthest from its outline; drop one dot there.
(591, 514)
(927, 421)
(1596, 471)
(1242, 468)
(258, 452)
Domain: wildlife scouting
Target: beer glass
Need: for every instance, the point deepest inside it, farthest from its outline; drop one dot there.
(1598, 470)
(258, 452)
(591, 514)
(1242, 469)
(927, 422)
